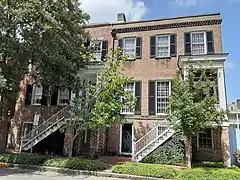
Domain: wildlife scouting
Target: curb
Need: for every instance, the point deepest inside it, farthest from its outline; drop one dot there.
(105, 173)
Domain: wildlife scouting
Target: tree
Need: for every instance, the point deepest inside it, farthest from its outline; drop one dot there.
(192, 105)
(100, 105)
(2, 82)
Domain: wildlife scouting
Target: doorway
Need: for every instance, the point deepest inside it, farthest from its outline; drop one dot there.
(126, 139)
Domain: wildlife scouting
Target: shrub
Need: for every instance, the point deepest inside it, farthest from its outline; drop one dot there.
(209, 174)
(237, 157)
(76, 163)
(209, 164)
(26, 159)
(172, 152)
(144, 169)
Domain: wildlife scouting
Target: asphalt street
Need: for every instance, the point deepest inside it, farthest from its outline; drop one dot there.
(20, 174)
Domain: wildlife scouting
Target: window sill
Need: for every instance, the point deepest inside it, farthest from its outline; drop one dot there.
(35, 104)
(127, 114)
(205, 149)
(167, 57)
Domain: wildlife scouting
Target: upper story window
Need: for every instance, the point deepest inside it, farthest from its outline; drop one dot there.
(63, 97)
(159, 92)
(130, 87)
(99, 49)
(163, 46)
(199, 43)
(131, 47)
(37, 95)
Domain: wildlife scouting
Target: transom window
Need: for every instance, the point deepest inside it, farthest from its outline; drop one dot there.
(129, 47)
(162, 46)
(37, 95)
(63, 97)
(162, 96)
(198, 41)
(97, 50)
(130, 87)
(205, 139)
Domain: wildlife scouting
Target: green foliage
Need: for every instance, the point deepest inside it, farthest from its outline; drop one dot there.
(209, 164)
(76, 163)
(46, 34)
(2, 81)
(209, 174)
(69, 163)
(192, 103)
(171, 152)
(26, 159)
(142, 169)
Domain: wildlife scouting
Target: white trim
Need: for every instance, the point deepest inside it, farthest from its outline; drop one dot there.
(169, 83)
(23, 131)
(135, 39)
(58, 99)
(205, 41)
(198, 148)
(169, 45)
(130, 113)
(34, 94)
(94, 54)
(120, 145)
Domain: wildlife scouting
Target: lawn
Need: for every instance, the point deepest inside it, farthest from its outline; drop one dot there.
(167, 172)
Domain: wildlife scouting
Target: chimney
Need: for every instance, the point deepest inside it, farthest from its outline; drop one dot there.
(238, 103)
(121, 17)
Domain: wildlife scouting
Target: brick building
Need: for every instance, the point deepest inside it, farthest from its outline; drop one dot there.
(156, 50)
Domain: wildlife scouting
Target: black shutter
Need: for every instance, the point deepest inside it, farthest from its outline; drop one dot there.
(152, 46)
(139, 48)
(54, 97)
(120, 46)
(28, 97)
(151, 103)
(173, 45)
(138, 92)
(44, 96)
(104, 49)
(87, 43)
(187, 44)
(210, 43)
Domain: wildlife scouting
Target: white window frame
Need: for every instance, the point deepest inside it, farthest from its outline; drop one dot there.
(205, 41)
(59, 100)
(124, 52)
(99, 54)
(23, 130)
(201, 148)
(33, 102)
(169, 45)
(169, 83)
(129, 113)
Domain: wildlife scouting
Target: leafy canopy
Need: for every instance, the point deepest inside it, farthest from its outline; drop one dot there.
(192, 104)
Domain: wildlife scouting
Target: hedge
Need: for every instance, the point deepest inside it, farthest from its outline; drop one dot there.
(172, 152)
(209, 174)
(144, 169)
(70, 163)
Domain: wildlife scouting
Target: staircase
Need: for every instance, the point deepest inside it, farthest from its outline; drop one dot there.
(45, 129)
(153, 139)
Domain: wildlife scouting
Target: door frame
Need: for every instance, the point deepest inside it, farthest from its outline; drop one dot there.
(120, 144)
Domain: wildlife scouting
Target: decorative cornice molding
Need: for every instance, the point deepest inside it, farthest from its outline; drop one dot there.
(168, 26)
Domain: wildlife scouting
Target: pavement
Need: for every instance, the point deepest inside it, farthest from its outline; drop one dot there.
(24, 174)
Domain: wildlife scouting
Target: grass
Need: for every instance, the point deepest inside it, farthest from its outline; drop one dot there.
(203, 171)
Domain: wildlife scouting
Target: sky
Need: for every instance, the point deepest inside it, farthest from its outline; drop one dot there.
(106, 11)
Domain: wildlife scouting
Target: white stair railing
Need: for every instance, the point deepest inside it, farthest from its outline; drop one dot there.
(150, 137)
(45, 125)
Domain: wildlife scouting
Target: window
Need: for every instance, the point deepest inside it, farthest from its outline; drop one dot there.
(198, 41)
(162, 46)
(27, 128)
(63, 97)
(97, 50)
(37, 95)
(129, 47)
(130, 87)
(205, 139)
(162, 96)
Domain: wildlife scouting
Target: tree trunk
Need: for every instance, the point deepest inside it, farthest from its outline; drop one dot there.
(189, 151)
(71, 142)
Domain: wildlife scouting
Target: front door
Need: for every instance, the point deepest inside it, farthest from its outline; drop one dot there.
(126, 143)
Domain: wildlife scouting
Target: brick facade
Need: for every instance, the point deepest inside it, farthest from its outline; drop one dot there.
(144, 69)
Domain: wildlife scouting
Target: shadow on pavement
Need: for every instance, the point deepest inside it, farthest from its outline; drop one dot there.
(11, 171)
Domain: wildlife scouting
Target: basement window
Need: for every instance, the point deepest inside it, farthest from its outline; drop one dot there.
(205, 139)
